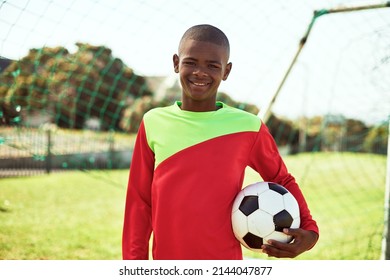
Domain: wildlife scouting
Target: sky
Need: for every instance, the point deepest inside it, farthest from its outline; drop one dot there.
(343, 68)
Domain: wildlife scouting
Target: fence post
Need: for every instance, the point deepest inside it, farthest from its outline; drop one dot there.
(49, 155)
(111, 149)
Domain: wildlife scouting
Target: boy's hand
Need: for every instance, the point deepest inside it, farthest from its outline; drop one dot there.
(303, 241)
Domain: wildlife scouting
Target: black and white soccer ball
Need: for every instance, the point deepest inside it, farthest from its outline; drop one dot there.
(261, 211)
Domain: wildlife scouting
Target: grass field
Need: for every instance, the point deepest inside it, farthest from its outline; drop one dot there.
(72, 215)
(78, 215)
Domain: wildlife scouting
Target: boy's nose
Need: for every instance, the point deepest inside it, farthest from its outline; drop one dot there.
(200, 71)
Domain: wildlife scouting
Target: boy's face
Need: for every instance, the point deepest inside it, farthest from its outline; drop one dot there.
(202, 66)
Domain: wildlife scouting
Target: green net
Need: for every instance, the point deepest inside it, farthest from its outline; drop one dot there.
(76, 79)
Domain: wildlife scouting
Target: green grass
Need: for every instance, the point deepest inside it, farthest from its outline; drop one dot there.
(79, 215)
(72, 215)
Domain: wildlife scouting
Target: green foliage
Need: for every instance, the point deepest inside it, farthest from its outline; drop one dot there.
(329, 133)
(377, 139)
(70, 88)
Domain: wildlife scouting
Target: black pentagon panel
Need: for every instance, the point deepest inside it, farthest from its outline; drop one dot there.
(282, 220)
(253, 241)
(249, 204)
(278, 188)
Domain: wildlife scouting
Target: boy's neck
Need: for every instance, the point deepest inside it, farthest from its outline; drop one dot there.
(200, 106)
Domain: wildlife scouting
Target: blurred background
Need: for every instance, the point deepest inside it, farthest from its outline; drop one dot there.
(76, 78)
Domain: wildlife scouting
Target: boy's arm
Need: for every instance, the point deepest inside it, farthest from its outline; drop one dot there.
(266, 160)
(137, 221)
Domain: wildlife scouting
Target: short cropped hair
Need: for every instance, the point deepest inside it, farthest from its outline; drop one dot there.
(206, 33)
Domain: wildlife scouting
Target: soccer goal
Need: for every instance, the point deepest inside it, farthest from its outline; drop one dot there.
(353, 88)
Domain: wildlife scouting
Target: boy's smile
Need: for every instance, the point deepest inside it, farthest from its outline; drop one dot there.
(202, 66)
(198, 82)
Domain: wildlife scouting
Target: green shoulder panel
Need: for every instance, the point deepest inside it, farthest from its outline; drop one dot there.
(170, 129)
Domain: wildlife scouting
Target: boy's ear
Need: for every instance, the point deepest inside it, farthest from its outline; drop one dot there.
(176, 63)
(227, 71)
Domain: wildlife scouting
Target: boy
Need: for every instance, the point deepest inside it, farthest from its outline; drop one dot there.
(189, 162)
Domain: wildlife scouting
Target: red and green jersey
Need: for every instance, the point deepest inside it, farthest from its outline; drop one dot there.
(186, 170)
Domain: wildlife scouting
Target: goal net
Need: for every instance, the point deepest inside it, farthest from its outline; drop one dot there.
(76, 79)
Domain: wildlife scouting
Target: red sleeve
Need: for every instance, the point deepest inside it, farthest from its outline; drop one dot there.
(266, 160)
(137, 220)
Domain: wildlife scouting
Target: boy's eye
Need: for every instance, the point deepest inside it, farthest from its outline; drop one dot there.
(190, 63)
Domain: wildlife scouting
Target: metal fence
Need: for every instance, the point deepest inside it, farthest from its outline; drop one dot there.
(28, 151)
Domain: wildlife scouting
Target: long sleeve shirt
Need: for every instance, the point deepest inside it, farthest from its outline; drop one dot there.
(187, 168)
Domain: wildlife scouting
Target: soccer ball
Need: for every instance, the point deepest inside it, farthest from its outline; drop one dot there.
(261, 211)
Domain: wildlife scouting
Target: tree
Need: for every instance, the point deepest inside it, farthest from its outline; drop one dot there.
(376, 139)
